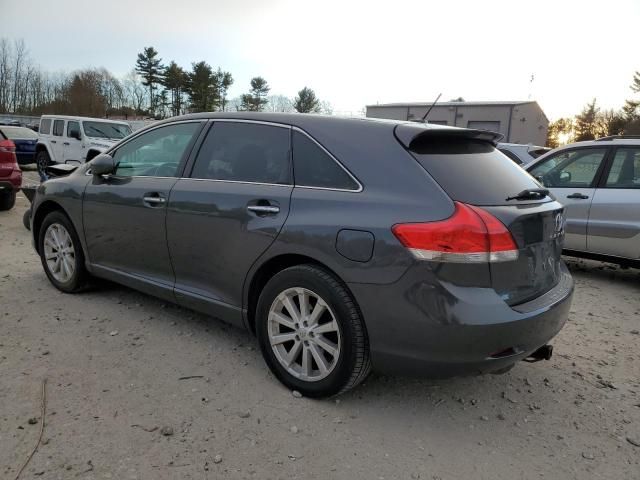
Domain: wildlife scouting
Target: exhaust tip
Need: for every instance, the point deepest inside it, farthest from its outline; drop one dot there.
(543, 353)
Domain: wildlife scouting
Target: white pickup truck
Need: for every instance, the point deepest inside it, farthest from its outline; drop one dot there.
(66, 139)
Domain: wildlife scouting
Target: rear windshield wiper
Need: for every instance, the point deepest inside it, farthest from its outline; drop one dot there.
(530, 194)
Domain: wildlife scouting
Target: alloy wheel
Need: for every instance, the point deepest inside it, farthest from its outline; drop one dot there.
(59, 252)
(304, 334)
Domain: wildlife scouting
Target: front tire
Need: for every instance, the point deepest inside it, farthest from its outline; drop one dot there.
(61, 253)
(7, 200)
(311, 332)
(42, 162)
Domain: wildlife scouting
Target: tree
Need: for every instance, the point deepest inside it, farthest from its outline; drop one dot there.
(256, 99)
(586, 126)
(560, 132)
(150, 68)
(612, 122)
(225, 80)
(202, 88)
(279, 103)
(175, 81)
(306, 101)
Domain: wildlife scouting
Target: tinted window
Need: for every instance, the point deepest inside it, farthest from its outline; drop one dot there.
(58, 127)
(245, 152)
(511, 155)
(313, 167)
(72, 126)
(570, 169)
(471, 171)
(45, 126)
(625, 169)
(156, 153)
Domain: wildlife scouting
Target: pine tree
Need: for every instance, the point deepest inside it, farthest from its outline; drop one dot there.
(306, 101)
(150, 68)
(586, 126)
(256, 99)
(202, 87)
(175, 81)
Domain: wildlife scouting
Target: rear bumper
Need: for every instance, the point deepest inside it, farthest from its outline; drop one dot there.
(12, 182)
(421, 326)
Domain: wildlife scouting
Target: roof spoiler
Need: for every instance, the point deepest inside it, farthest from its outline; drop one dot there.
(407, 133)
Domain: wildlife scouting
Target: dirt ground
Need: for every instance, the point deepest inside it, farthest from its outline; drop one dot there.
(118, 405)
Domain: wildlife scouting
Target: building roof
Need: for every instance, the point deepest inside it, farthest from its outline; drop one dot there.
(454, 104)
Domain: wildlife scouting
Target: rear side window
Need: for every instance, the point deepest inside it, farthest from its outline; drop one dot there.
(45, 126)
(625, 169)
(313, 167)
(58, 127)
(245, 152)
(471, 171)
(511, 155)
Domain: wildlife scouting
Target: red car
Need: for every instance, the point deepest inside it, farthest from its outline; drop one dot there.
(10, 174)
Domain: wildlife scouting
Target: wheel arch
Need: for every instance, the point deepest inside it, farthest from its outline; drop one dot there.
(272, 266)
(43, 147)
(39, 215)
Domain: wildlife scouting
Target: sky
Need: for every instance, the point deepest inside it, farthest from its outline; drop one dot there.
(354, 53)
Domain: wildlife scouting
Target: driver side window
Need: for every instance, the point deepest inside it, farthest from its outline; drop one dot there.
(570, 169)
(157, 153)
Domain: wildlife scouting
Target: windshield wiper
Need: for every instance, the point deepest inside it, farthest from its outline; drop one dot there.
(530, 194)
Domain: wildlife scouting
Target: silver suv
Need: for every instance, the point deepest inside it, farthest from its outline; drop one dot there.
(599, 184)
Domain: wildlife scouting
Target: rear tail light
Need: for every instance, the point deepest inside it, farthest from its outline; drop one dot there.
(470, 235)
(7, 152)
(7, 146)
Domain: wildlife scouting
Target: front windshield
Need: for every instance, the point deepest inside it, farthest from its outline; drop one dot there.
(106, 130)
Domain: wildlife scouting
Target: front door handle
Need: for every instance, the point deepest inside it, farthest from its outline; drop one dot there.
(579, 196)
(264, 209)
(153, 199)
(66, 143)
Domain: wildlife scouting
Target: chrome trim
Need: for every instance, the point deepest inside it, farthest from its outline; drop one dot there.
(263, 209)
(242, 120)
(235, 181)
(156, 200)
(360, 187)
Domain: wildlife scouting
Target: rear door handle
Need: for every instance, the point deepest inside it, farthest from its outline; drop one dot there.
(579, 196)
(264, 209)
(66, 143)
(153, 199)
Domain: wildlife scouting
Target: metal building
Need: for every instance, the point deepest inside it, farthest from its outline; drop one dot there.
(519, 122)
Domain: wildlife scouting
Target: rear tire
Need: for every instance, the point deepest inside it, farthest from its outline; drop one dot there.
(42, 162)
(326, 327)
(7, 200)
(61, 253)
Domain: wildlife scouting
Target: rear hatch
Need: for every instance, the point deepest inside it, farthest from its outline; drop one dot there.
(472, 171)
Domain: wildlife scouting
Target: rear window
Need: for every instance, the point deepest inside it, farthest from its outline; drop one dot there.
(45, 126)
(471, 171)
(19, 133)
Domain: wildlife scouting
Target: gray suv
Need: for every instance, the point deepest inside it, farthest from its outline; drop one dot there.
(343, 244)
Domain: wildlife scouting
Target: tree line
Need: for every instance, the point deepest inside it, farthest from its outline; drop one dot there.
(593, 122)
(150, 89)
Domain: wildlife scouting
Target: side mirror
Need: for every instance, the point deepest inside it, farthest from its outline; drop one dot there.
(565, 177)
(103, 164)
(75, 134)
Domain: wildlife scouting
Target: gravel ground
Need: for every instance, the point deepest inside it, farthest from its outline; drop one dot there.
(118, 405)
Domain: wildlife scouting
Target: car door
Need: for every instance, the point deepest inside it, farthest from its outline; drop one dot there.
(124, 214)
(614, 219)
(571, 176)
(227, 213)
(72, 146)
(57, 140)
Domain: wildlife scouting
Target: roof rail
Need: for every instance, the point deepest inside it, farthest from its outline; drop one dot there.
(616, 137)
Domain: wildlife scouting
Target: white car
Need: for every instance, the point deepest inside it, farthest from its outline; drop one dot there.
(65, 139)
(522, 154)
